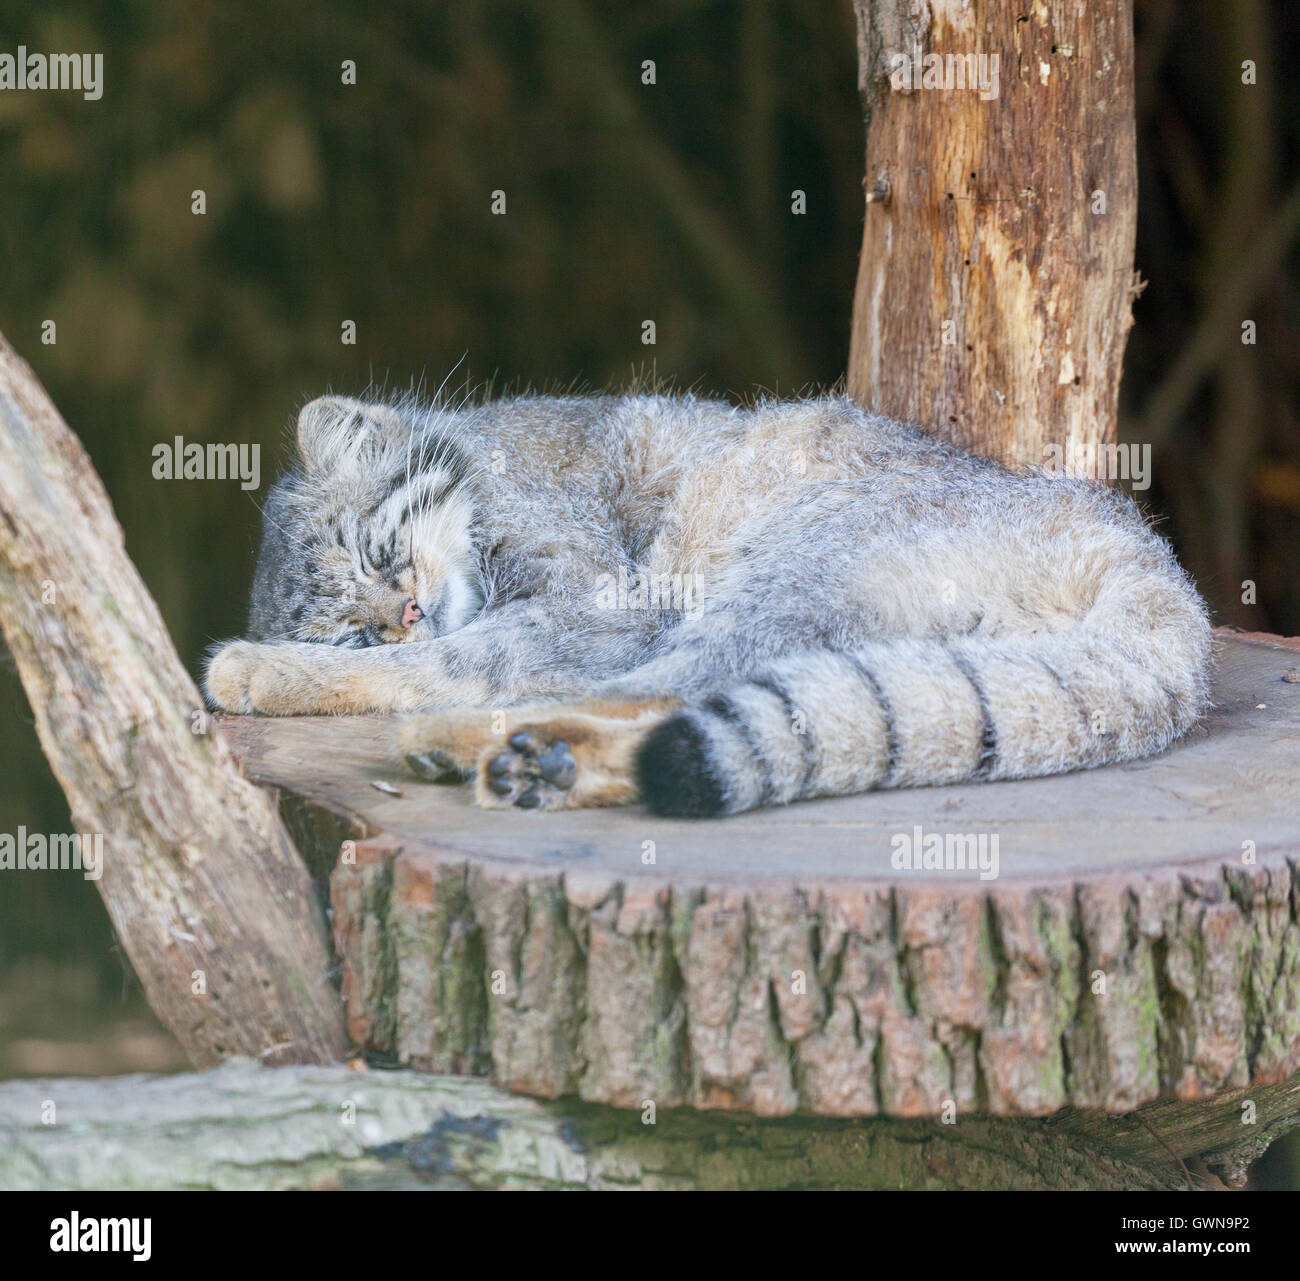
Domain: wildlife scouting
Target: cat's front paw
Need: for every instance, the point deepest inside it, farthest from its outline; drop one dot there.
(295, 678)
(230, 676)
(269, 680)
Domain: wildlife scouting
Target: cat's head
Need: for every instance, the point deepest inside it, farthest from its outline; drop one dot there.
(368, 540)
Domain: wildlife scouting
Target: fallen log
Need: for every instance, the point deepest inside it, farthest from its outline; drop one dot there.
(245, 1127)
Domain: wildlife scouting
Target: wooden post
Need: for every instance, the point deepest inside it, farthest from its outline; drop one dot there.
(996, 279)
(204, 887)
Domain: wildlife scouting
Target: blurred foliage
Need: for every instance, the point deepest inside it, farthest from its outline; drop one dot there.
(625, 202)
(1218, 181)
(371, 202)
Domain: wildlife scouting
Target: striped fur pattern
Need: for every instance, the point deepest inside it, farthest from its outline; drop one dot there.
(708, 607)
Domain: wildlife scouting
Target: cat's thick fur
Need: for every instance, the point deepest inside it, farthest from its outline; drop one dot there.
(596, 600)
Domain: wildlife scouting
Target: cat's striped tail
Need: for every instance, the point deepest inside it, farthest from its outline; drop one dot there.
(1124, 682)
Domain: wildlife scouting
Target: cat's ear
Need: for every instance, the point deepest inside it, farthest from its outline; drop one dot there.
(338, 431)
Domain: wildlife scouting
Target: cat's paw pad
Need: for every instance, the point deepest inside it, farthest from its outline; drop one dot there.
(530, 773)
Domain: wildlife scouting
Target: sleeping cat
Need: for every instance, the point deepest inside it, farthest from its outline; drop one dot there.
(599, 600)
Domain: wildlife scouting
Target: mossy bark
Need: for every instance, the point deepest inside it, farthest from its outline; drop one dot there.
(241, 1126)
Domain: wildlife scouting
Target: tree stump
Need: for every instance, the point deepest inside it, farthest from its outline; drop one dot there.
(1139, 941)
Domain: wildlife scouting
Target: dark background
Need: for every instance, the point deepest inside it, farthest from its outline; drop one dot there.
(625, 202)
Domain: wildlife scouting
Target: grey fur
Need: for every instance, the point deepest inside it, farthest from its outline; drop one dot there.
(873, 607)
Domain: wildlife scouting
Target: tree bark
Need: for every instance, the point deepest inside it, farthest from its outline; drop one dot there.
(995, 285)
(204, 887)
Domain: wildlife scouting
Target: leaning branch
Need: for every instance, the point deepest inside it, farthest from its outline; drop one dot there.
(204, 887)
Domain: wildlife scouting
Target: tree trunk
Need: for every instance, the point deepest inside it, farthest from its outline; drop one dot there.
(204, 887)
(996, 279)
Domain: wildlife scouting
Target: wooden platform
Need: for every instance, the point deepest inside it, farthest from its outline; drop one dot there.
(1139, 939)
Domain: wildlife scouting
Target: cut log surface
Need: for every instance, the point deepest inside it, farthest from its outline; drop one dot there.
(1139, 941)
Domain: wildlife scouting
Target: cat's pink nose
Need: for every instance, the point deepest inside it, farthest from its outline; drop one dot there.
(411, 613)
